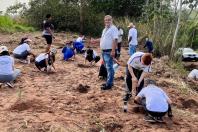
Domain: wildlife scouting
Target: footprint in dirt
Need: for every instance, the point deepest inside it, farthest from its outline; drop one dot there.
(83, 88)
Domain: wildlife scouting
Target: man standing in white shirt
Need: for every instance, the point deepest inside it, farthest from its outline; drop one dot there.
(120, 35)
(132, 39)
(108, 44)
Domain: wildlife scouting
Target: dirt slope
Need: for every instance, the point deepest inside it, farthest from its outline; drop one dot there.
(71, 99)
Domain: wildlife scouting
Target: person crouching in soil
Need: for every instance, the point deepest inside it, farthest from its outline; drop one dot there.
(23, 51)
(91, 56)
(68, 51)
(138, 67)
(7, 71)
(155, 102)
(45, 61)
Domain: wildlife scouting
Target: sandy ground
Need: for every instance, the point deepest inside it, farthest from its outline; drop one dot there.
(70, 100)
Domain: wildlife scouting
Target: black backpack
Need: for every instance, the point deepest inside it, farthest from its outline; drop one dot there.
(102, 72)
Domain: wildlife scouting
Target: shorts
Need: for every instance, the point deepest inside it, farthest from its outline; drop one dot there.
(22, 56)
(48, 39)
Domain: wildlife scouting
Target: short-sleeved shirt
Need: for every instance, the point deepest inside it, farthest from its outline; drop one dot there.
(120, 34)
(135, 62)
(193, 74)
(6, 65)
(108, 36)
(93, 55)
(133, 34)
(41, 57)
(156, 98)
(21, 48)
(47, 24)
(79, 39)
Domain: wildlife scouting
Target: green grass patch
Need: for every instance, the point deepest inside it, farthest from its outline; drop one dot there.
(179, 67)
(8, 25)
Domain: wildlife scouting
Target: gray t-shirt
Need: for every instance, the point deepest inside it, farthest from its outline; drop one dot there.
(156, 98)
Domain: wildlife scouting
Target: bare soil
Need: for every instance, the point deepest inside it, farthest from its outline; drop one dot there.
(70, 100)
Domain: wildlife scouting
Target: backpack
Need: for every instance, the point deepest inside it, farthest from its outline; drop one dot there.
(102, 72)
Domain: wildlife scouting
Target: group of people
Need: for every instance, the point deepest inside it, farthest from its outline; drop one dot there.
(153, 99)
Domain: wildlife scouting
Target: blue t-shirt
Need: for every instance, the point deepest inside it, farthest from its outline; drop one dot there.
(149, 45)
(156, 98)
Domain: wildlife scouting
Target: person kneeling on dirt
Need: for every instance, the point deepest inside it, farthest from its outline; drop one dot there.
(138, 67)
(68, 51)
(91, 56)
(193, 76)
(79, 44)
(7, 71)
(149, 45)
(155, 102)
(45, 61)
(23, 51)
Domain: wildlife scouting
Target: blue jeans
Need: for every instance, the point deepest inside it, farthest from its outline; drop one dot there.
(108, 60)
(132, 49)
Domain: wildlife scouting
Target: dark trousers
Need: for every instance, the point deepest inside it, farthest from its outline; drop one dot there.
(159, 114)
(41, 64)
(22, 56)
(152, 113)
(119, 47)
(128, 80)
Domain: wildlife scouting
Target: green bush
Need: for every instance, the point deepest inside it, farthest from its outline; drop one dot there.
(8, 25)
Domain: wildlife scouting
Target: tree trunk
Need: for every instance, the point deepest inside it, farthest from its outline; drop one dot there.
(176, 30)
(81, 16)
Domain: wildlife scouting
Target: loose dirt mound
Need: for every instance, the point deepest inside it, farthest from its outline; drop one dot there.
(83, 89)
(32, 105)
(190, 103)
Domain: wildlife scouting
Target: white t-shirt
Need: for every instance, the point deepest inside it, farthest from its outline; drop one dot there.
(133, 34)
(156, 98)
(120, 34)
(41, 57)
(135, 62)
(108, 36)
(193, 74)
(21, 48)
(79, 39)
(6, 65)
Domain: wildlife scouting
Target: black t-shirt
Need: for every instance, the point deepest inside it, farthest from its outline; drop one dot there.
(48, 24)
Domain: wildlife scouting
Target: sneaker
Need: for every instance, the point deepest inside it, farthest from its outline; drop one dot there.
(9, 85)
(149, 119)
(158, 119)
(127, 97)
(106, 87)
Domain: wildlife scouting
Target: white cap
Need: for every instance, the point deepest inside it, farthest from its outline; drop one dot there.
(3, 48)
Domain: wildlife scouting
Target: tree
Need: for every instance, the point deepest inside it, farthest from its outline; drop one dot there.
(177, 29)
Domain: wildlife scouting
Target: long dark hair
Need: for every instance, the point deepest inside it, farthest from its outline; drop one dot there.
(4, 53)
(22, 40)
